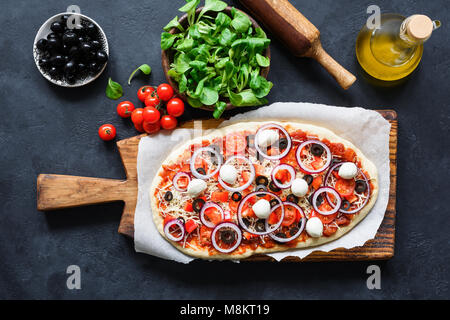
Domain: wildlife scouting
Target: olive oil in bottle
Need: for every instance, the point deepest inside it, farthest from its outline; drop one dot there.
(394, 50)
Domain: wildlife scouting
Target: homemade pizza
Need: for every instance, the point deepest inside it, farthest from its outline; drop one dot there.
(260, 187)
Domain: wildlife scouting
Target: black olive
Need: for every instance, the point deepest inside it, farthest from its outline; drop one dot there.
(90, 29)
(227, 236)
(197, 205)
(92, 56)
(345, 205)
(319, 199)
(262, 180)
(308, 178)
(261, 187)
(95, 44)
(292, 198)
(250, 141)
(85, 48)
(93, 67)
(273, 202)
(282, 143)
(360, 186)
(280, 235)
(293, 231)
(70, 78)
(42, 44)
(317, 149)
(54, 44)
(101, 56)
(201, 171)
(246, 221)
(57, 27)
(81, 68)
(236, 196)
(182, 220)
(57, 60)
(74, 52)
(65, 49)
(70, 38)
(70, 67)
(52, 35)
(273, 187)
(168, 196)
(54, 72)
(260, 226)
(44, 63)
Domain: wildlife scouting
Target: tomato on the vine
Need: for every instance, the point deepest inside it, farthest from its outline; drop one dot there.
(151, 115)
(144, 91)
(152, 100)
(137, 116)
(168, 122)
(125, 108)
(151, 127)
(175, 107)
(107, 132)
(165, 92)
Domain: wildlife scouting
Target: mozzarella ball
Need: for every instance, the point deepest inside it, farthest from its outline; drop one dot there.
(195, 187)
(262, 209)
(267, 137)
(314, 227)
(299, 187)
(348, 170)
(228, 174)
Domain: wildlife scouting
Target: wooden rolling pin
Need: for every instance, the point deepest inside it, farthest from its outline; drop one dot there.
(297, 33)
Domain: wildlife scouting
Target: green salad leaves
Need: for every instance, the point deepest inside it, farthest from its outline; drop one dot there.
(217, 57)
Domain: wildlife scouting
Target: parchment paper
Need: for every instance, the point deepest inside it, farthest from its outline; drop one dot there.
(366, 129)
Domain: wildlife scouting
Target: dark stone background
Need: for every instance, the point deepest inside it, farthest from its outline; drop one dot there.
(47, 129)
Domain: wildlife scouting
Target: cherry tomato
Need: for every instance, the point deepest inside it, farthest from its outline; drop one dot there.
(151, 115)
(125, 108)
(165, 92)
(151, 127)
(107, 132)
(152, 100)
(139, 127)
(175, 107)
(137, 116)
(345, 187)
(144, 91)
(168, 122)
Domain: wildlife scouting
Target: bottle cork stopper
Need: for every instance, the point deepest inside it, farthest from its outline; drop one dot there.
(419, 27)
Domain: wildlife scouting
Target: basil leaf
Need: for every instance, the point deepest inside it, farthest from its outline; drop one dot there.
(145, 68)
(240, 22)
(167, 40)
(245, 98)
(262, 61)
(209, 96)
(222, 20)
(113, 90)
(226, 37)
(212, 5)
(195, 103)
(174, 24)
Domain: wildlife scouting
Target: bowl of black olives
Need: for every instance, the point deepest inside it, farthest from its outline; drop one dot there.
(70, 54)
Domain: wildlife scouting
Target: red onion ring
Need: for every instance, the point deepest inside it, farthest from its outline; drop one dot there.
(202, 213)
(247, 184)
(281, 155)
(297, 234)
(226, 225)
(365, 180)
(280, 167)
(177, 177)
(330, 190)
(299, 160)
(198, 175)
(244, 200)
(171, 223)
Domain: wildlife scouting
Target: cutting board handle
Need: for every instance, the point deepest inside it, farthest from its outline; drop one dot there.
(61, 191)
(338, 72)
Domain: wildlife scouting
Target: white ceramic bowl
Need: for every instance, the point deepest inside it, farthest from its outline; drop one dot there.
(44, 30)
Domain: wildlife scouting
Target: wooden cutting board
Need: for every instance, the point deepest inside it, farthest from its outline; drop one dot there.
(61, 191)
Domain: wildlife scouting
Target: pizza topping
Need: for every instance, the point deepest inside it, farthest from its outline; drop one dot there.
(195, 187)
(248, 176)
(294, 232)
(345, 205)
(273, 187)
(211, 214)
(308, 178)
(236, 196)
(283, 175)
(262, 180)
(210, 151)
(310, 163)
(265, 138)
(197, 205)
(262, 209)
(260, 187)
(299, 187)
(174, 230)
(317, 149)
(332, 208)
(228, 174)
(348, 170)
(181, 181)
(360, 186)
(190, 226)
(314, 227)
(226, 237)
(292, 198)
(168, 196)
